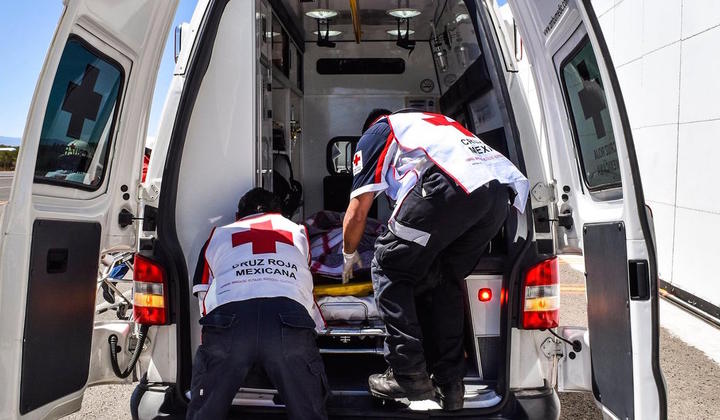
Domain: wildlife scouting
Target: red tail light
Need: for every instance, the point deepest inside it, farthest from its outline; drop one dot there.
(541, 297)
(484, 294)
(149, 292)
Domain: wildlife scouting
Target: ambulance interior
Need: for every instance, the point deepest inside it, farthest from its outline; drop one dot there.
(312, 100)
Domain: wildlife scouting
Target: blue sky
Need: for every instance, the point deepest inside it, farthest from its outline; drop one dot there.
(26, 29)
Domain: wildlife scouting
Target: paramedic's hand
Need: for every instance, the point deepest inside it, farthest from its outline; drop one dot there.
(350, 261)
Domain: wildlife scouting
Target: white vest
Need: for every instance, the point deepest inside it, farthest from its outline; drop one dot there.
(457, 152)
(260, 256)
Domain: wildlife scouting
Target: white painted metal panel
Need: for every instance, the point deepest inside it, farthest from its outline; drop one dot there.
(221, 129)
(485, 315)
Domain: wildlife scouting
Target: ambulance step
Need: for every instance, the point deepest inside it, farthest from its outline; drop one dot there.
(373, 350)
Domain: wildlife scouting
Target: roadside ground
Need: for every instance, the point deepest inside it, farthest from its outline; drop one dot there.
(691, 376)
(6, 179)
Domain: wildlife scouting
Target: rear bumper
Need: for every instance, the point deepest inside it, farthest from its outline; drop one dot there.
(152, 401)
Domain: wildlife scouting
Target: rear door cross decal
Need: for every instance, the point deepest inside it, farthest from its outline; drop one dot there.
(592, 99)
(82, 102)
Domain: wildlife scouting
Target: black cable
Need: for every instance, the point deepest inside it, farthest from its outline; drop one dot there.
(113, 340)
(436, 20)
(576, 345)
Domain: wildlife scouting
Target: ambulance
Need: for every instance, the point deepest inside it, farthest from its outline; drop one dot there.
(260, 84)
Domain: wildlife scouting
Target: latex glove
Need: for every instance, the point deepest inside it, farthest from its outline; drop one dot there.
(350, 262)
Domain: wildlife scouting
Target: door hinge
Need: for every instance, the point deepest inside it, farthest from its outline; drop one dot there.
(543, 193)
(552, 348)
(149, 192)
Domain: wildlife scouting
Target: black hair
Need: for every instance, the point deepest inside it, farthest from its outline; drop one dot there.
(258, 200)
(374, 115)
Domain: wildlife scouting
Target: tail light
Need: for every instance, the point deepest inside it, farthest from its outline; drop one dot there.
(149, 292)
(485, 294)
(541, 298)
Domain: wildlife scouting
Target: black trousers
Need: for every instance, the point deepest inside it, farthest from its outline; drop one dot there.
(278, 335)
(437, 239)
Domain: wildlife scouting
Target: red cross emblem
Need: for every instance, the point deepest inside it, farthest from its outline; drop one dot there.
(440, 120)
(263, 238)
(357, 162)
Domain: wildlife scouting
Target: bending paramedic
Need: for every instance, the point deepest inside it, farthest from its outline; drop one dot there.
(255, 292)
(452, 195)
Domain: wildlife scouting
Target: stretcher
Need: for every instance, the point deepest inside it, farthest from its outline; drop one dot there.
(348, 309)
(350, 289)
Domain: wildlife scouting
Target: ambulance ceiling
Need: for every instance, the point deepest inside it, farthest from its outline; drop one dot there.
(374, 18)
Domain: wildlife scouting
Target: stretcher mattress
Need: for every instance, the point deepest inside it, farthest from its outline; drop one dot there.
(351, 289)
(348, 308)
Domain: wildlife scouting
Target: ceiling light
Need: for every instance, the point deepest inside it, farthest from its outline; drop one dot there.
(401, 32)
(321, 13)
(327, 33)
(403, 13)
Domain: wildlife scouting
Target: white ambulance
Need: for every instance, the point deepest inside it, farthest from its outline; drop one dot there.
(260, 83)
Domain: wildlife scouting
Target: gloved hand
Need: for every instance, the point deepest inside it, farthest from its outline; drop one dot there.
(350, 261)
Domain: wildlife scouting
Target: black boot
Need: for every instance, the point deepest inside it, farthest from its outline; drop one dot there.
(390, 386)
(452, 395)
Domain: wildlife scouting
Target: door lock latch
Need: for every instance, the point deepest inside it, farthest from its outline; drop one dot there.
(565, 220)
(125, 218)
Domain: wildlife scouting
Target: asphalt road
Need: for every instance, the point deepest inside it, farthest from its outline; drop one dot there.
(5, 184)
(692, 378)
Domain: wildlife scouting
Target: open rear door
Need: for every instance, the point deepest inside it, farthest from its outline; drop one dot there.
(79, 167)
(599, 191)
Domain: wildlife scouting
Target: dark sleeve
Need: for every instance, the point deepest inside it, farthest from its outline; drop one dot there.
(369, 160)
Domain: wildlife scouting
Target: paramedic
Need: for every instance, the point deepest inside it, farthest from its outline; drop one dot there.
(452, 195)
(255, 294)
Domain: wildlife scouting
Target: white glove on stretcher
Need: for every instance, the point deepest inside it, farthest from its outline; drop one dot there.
(350, 262)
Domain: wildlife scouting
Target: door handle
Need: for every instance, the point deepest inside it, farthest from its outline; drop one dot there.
(639, 278)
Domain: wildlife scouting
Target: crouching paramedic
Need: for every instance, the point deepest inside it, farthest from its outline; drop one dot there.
(452, 195)
(255, 292)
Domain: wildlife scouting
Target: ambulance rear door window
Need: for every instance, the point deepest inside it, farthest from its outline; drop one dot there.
(79, 118)
(592, 128)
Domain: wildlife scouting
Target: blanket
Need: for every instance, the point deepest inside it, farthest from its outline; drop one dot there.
(325, 234)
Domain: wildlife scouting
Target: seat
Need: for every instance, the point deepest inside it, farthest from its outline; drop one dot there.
(338, 185)
(336, 191)
(285, 186)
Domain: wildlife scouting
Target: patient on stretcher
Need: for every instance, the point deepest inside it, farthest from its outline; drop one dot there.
(341, 303)
(325, 232)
